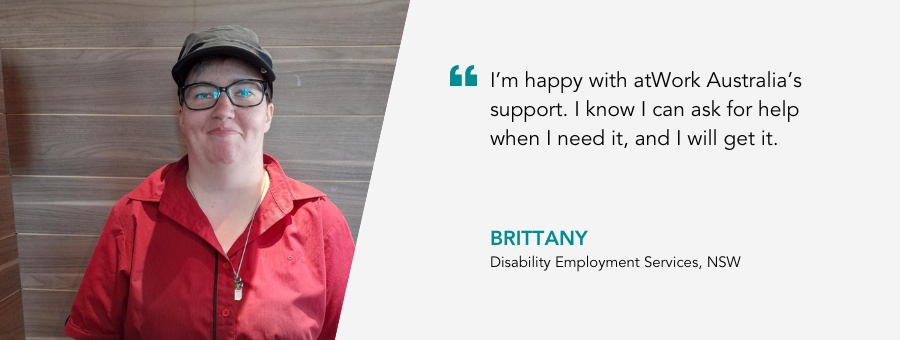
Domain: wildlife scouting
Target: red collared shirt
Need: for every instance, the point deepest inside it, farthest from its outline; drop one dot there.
(158, 271)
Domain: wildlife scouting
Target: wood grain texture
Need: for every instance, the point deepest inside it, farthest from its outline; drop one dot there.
(2, 96)
(70, 190)
(4, 147)
(310, 81)
(7, 220)
(57, 281)
(134, 23)
(11, 317)
(46, 312)
(80, 205)
(118, 81)
(74, 217)
(12, 323)
(7, 215)
(9, 266)
(55, 254)
(309, 148)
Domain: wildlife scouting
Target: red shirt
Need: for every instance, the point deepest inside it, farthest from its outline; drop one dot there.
(158, 271)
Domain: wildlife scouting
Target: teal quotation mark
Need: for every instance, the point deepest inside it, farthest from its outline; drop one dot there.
(456, 79)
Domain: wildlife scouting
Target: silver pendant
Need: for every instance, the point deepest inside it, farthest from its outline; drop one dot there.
(238, 289)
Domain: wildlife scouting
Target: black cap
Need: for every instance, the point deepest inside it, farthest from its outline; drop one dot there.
(228, 40)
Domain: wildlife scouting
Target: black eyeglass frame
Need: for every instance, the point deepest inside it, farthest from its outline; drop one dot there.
(267, 94)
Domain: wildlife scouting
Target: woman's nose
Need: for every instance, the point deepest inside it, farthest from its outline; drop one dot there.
(223, 108)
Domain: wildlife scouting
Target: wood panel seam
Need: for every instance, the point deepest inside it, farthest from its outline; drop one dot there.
(48, 290)
(76, 177)
(66, 235)
(10, 295)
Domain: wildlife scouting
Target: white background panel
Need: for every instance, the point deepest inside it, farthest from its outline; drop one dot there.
(813, 218)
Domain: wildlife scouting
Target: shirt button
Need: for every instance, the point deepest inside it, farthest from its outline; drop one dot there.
(226, 312)
(290, 257)
(226, 266)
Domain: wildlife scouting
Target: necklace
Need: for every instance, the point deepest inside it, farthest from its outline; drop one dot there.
(238, 283)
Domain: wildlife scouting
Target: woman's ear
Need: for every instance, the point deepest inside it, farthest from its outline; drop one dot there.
(181, 117)
(270, 111)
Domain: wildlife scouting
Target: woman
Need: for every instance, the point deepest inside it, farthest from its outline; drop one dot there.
(221, 244)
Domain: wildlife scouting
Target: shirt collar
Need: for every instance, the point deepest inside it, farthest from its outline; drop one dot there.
(168, 187)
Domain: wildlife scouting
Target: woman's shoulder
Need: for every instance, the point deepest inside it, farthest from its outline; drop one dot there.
(302, 193)
(286, 187)
(152, 187)
(148, 191)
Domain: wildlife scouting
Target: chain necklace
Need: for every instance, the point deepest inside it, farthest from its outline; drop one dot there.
(238, 283)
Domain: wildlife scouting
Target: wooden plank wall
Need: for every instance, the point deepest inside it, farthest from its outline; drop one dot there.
(11, 317)
(91, 111)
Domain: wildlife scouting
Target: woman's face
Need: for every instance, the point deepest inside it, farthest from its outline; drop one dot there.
(225, 133)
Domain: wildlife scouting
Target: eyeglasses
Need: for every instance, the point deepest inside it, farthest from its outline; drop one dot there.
(242, 93)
